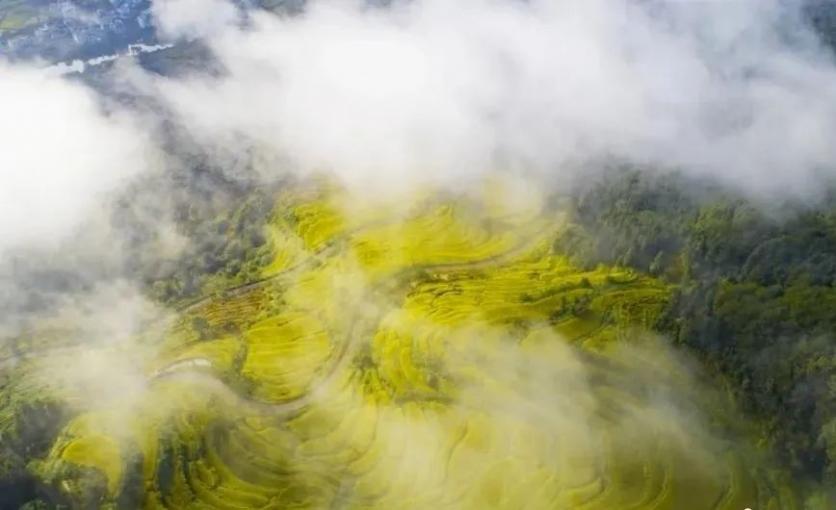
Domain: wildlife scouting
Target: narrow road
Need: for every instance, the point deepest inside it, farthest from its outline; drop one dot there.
(201, 368)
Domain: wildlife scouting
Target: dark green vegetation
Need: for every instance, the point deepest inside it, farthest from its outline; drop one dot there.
(756, 296)
(226, 250)
(450, 352)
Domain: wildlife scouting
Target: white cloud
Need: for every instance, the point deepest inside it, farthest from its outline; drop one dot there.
(441, 90)
(193, 18)
(59, 153)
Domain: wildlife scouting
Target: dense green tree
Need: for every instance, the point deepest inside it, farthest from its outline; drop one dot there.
(756, 296)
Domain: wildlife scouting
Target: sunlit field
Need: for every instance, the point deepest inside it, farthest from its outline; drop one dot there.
(438, 354)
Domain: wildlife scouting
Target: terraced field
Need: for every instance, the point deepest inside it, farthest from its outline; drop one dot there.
(17, 14)
(435, 355)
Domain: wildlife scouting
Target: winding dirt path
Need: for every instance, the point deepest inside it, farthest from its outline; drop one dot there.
(200, 369)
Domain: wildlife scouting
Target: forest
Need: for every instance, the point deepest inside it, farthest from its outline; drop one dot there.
(755, 292)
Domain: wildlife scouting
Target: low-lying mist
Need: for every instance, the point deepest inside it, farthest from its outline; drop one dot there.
(116, 179)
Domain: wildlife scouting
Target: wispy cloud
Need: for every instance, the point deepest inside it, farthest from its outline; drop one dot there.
(444, 91)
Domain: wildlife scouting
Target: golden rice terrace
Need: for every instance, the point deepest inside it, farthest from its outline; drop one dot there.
(438, 354)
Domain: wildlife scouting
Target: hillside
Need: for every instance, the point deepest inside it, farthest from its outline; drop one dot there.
(418, 254)
(440, 353)
(754, 296)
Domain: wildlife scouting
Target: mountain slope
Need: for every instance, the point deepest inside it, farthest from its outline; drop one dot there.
(439, 353)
